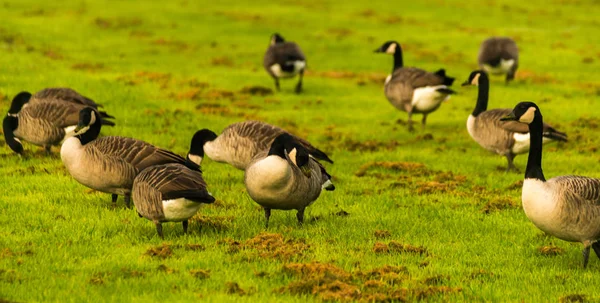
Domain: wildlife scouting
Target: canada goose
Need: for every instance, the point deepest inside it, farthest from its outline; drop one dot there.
(412, 89)
(284, 60)
(110, 164)
(566, 207)
(62, 94)
(240, 142)
(499, 55)
(44, 123)
(506, 138)
(284, 177)
(169, 193)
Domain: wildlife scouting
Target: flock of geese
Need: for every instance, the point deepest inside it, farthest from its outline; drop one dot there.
(282, 171)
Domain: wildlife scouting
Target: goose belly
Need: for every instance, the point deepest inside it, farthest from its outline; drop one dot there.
(91, 172)
(504, 67)
(291, 69)
(181, 209)
(427, 99)
(541, 207)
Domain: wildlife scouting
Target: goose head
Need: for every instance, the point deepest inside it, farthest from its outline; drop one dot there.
(200, 138)
(524, 112)
(18, 102)
(287, 144)
(88, 127)
(389, 47)
(9, 125)
(474, 78)
(276, 38)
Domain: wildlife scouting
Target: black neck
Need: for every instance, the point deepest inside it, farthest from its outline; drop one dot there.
(91, 134)
(534, 162)
(277, 149)
(482, 95)
(398, 58)
(9, 125)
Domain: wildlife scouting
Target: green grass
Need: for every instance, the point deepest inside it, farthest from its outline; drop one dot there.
(166, 70)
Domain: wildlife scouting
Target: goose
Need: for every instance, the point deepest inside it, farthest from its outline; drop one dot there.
(62, 94)
(240, 142)
(412, 89)
(284, 177)
(169, 193)
(506, 138)
(499, 55)
(284, 60)
(566, 207)
(43, 123)
(110, 164)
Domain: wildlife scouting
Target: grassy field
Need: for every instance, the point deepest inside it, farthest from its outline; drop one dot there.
(427, 215)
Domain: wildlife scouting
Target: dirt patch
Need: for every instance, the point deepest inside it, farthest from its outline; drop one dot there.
(382, 234)
(397, 247)
(221, 61)
(130, 273)
(369, 145)
(270, 245)
(89, 67)
(536, 78)
(498, 204)
(256, 90)
(52, 54)
(216, 223)
(6, 253)
(572, 298)
(98, 278)
(342, 213)
(200, 273)
(518, 185)
(233, 288)
(339, 33)
(551, 250)
(586, 123)
(161, 79)
(408, 167)
(162, 252)
(166, 269)
(117, 23)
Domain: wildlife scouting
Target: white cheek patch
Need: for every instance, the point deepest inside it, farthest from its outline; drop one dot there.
(292, 155)
(17, 139)
(391, 49)
(528, 116)
(475, 80)
(195, 158)
(93, 119)
(13, 115)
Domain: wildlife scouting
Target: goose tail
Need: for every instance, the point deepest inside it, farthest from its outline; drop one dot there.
(556, 135)
(447, 80)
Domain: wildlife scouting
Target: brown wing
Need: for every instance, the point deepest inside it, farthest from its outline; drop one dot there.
(56, 113)
(585, 188)
(175, 181)
(280, 53)
(62, 94)
(136, 152)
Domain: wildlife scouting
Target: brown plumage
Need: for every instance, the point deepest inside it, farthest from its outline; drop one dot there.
(169, 193)
(499, 55)
(284, 60)
(62, 94)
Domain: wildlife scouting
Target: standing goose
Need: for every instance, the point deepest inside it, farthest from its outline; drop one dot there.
(566, 207)
(169, 193)
(110, 164)
(412, 89)
(499, 55)
(284, 60)
(44, 124)
(284, 177)
(506, 138)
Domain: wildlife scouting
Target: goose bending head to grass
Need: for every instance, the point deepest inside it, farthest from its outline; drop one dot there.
(499, 56)
(566, 207)
(506, 138)
(169, 193)
(284, 59)
(44, 124)
(412, 89)
(284, 177)
(240, 142)
(110, 164)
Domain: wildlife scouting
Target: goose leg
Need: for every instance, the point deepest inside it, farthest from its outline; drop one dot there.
(159, 229)
(48, 149)
(586, 254)
(300, 216)
(510, 76)
(185, 226)
(276, 83)
(423, 121)
(114, 198)
(127, 200)
(511, 166)
(596, 247)
(267, 216)
(299, 85)
(410, 123)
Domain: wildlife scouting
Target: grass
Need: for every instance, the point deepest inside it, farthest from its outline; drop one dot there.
(424, 215)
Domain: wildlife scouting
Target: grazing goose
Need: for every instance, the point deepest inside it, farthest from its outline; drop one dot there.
(412, 89)
(284, 177)
(240, 142)
(506, 138)
(169, 193)
(566, 207)
(284, 60)
(110, 164)
(44, 123)
(499, 55)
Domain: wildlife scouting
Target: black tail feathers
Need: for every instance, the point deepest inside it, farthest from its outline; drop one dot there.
(447, 80)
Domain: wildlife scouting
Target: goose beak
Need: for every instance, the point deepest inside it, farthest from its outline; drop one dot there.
(466, 83)
(306, 171)
(378, 50)
(510, 117)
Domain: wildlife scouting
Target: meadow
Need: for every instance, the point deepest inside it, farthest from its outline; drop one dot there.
(427, 215)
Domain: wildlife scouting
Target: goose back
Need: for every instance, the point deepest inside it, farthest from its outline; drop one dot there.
(62, 94)
(46, 123)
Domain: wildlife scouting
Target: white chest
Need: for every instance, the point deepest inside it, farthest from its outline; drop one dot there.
(539, 205)
(181, 209)
(268, 178)
(471, 126)
(427, 99)
(504, 67)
